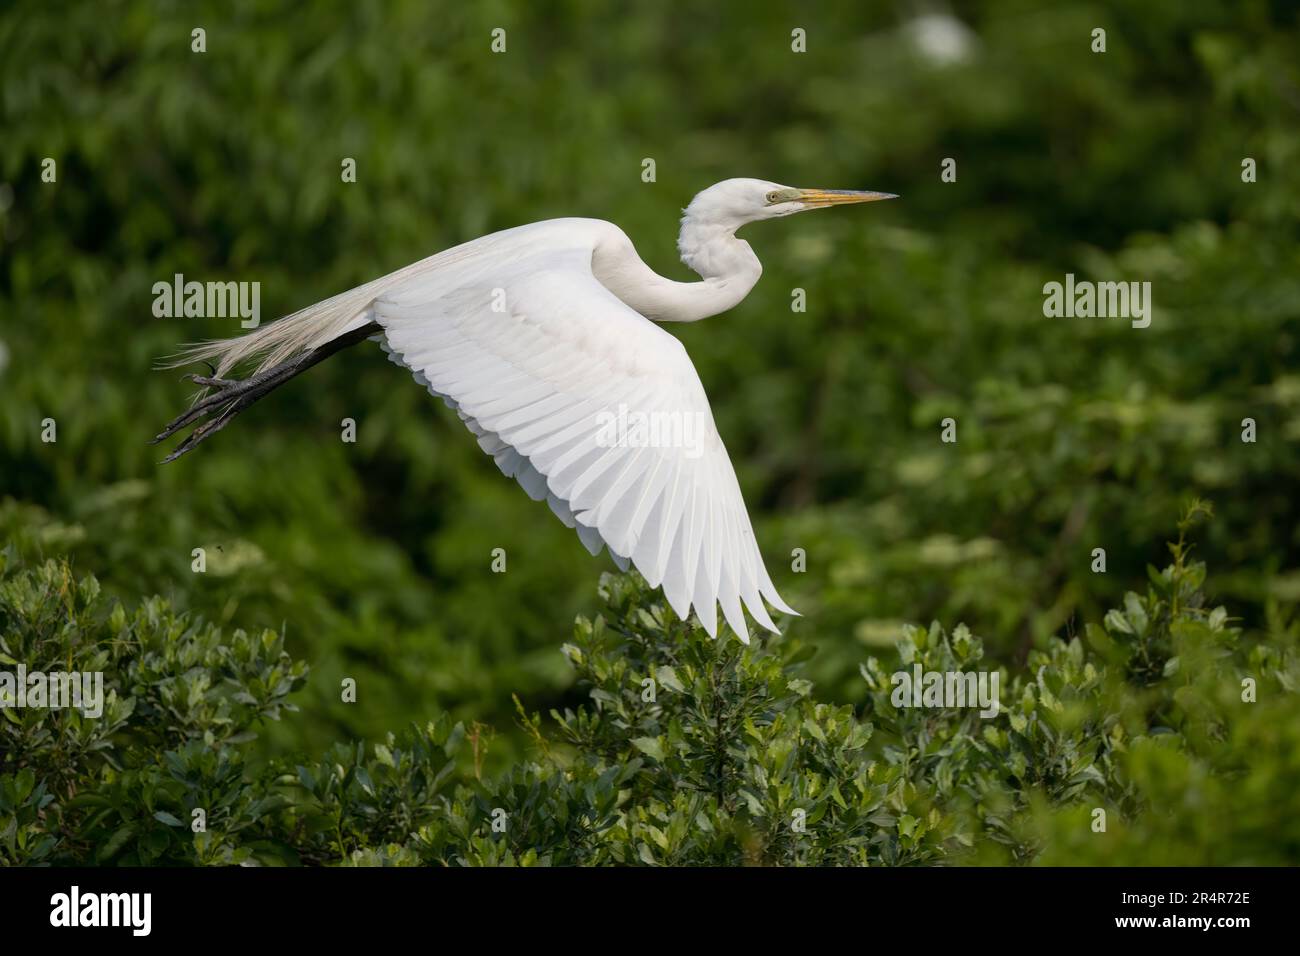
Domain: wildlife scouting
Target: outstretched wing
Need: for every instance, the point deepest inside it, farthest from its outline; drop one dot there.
(588, 405)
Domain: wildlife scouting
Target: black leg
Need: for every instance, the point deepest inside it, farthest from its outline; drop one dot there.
(232, 396)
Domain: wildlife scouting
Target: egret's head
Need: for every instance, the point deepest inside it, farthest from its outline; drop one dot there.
(734, 202)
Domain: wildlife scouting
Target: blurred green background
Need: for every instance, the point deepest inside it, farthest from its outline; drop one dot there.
(1073, 433)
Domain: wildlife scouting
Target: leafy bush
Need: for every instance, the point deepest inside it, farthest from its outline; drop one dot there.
(686, 751)
(180, 702)
(1073, 434)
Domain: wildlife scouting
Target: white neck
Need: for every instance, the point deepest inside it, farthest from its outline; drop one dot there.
(727, 265)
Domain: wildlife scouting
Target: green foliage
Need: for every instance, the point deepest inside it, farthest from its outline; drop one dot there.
(1072, 434)
(685, 750)
(180, 700)
(370, 560)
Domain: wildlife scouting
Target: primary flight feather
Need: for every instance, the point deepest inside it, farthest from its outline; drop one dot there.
(543, 340)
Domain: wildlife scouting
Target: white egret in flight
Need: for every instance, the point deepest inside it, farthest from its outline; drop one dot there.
(539, 337)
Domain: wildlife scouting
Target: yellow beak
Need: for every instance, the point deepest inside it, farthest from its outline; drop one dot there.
(839, 197)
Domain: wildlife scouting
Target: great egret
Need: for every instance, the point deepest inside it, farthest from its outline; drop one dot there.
(541, 338)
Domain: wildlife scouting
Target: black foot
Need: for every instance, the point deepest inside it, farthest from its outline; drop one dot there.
(232, 396)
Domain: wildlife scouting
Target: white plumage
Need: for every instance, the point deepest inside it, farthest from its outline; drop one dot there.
(539, 337)
(531, 381)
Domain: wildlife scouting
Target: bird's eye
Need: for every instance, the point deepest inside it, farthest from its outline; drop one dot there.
(774, 196)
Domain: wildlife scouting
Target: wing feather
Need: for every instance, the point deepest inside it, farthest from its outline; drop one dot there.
(537, 382)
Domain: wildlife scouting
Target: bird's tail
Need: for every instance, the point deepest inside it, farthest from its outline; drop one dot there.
(277, 341)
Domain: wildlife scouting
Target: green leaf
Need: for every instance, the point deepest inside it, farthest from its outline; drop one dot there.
(667, 677)
(650, 746)
(1116, 621)
(814, 729)
(114, 844)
